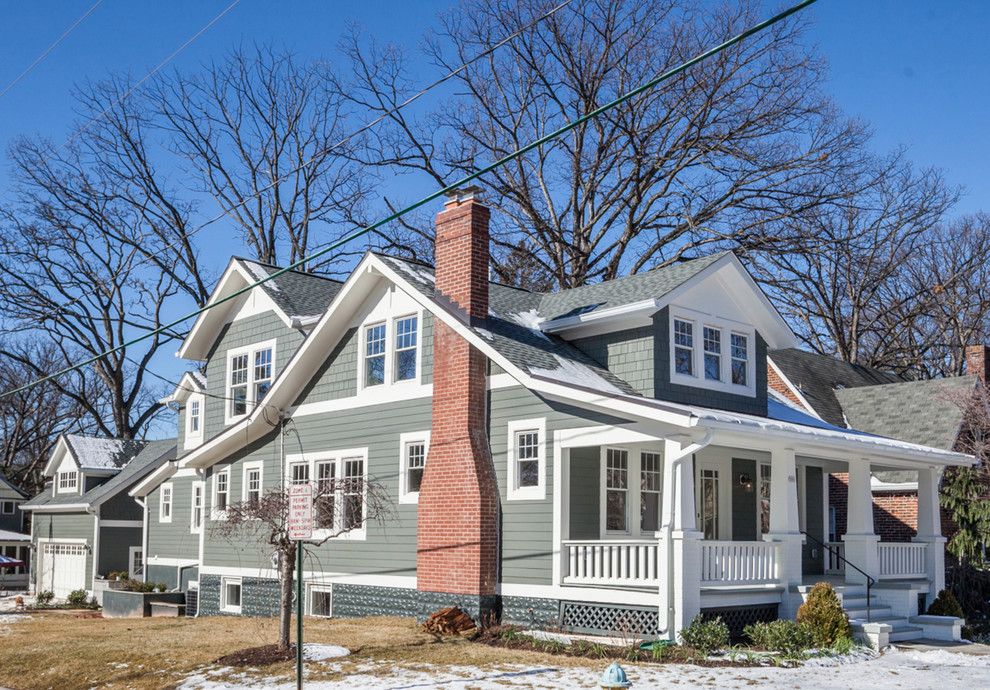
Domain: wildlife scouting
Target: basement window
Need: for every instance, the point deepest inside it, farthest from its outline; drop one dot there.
(321, 601)
(230, 595)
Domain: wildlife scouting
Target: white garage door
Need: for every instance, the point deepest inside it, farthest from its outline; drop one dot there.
(63, 568)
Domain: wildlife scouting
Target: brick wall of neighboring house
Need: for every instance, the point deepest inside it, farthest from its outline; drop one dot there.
(895, 513)
(775, 382)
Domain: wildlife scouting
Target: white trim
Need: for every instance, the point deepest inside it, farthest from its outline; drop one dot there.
(96, 548)
(527, 493)
(192, 439)
(214, 513)
(171, 562)
(560, 517)
(405, 440)
(338, 458)
(603, 531)
(250, 404)
(122, 523)
(318, 588)
(201, 486)
(224, 583)
(151, 482)
(59, 508)
(794, 389)
(59, 540)
(75, 475)
(247, 467)
(131, 550)
(726, 328)
(397, 581)
(162, 517)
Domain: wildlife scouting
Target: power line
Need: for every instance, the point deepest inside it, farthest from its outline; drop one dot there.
(363, 128)
(440, 192)
(38, 60)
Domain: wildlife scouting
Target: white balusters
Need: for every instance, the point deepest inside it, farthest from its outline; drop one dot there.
(616, 563)
(902, 560)
(738, 562)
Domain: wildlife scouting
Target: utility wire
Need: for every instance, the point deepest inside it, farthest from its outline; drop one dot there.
(440, 192)
(347, 138)
(38, 60)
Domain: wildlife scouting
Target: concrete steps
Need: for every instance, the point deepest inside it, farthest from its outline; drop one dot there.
(854, 603)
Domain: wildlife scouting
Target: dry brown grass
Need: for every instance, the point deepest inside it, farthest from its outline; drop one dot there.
(53, 650)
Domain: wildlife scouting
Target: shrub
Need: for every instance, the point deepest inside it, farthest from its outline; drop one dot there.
(823, 614)
(706, 635)
(77, 597)
(785, 636)
(45, 598)
(945, 604)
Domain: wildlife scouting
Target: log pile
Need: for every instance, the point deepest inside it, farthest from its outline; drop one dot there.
(450, 621)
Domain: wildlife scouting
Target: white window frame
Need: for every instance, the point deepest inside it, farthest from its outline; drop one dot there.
(7, 507)
(634, 494)
(166, 489)
(250, 351)
(194, 438)
(758, 488)
(256, 465)
(640, 490)
(406, 440)
(199, 486)
(216, 514)
(727, 327)
(224, 583)
(364, 356)
(526, 493)
(391, 352)
(321, 589)
(132, 551)
(72, 475)
(339, 458)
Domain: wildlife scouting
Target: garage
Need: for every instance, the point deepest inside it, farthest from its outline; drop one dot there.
(63, 568)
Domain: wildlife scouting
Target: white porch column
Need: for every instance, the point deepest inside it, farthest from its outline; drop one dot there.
(785, 526)
(680, 542)
(930, 527)
(860, 539)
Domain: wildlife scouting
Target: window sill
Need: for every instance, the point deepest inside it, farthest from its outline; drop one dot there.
(411, 498)
(231, 609)
(530, 493)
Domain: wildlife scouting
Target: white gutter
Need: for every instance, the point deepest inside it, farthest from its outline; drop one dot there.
(649, 306)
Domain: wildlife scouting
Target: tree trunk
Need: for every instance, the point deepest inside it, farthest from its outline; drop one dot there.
(287, 567)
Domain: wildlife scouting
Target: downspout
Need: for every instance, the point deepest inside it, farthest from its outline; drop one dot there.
(670, 503)
(143, 502)
(201, 477)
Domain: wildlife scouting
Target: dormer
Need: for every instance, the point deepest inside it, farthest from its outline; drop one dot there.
(80, 463)
(189, 397)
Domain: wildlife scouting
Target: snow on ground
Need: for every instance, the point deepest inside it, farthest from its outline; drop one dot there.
(322, 652)
(908, 669)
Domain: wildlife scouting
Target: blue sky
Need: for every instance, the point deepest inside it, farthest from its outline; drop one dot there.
(916, 71)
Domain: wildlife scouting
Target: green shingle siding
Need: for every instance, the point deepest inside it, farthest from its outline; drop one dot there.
(57, 526)
(744, 500)
(172, 539)
(628, 354)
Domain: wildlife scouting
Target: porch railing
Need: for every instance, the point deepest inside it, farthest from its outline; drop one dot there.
(902, 560)
(835, 551)
(739, 562)
(619, 563)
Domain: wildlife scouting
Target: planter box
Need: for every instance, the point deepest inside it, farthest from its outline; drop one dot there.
(101, 585)
(119, 604)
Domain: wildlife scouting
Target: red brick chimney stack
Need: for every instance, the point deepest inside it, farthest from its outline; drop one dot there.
(978, 361)
(457, 538)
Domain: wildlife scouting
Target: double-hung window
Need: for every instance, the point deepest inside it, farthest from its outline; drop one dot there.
(221, 492)
(684, 347)
(165, 502)
(68, 481)
(740, 359)
(250, 372)
(252, 484)
(764, 498)
(324, 503)
(713, 353)
(527, 459)
(413, 448)
(406, 335)
(649, 491)
(616, 489)
(353, 493)
(339, 487)
(195, 412)
(196, 513)
(374, 355)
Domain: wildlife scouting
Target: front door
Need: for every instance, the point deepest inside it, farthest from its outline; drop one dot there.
(813, 512)
(707, 499)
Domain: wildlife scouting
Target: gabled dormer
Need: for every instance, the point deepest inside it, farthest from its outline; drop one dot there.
(189, 398)
(81, 463)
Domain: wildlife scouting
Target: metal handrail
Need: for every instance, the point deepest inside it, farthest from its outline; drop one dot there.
(870, 581)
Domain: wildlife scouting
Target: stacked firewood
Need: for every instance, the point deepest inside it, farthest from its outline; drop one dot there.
(450, 621)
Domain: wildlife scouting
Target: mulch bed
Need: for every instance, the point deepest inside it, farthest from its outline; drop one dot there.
(258, 656)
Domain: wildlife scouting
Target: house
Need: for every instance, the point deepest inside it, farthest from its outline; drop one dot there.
(925, 412)
(606, 458)
(14, 541)
(84, 524)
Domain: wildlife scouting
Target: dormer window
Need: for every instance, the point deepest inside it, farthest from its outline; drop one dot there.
(68, 481)
(406, 331)
(390, 351)
(194, 421)
(711, 352)
(250, 372)
(195, 416)
(374, 357)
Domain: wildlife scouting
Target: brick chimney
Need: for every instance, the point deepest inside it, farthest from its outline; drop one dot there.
(978, 361)
(457, 538)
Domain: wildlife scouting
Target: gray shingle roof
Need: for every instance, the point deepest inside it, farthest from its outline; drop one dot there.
(921, 412)
(153, 454)
(819, 376)
(93, 453)
(295, 292)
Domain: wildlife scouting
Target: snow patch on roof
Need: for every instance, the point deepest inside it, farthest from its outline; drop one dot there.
(7, 535)
(258, 272)
(575, 374)
(102, 453)
(415, 271)
(199, 377)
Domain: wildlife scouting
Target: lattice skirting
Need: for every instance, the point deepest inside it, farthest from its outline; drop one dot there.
(605, 619)
(738, 617)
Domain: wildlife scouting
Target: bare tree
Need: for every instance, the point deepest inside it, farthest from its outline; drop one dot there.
(341, 505)
(251, 120)
(31, 421)
(705, 160)
(845, 282)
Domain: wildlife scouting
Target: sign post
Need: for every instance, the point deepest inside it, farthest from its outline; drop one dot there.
(300, 530)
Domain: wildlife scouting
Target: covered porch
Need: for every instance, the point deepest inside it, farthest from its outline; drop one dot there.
(710, 522)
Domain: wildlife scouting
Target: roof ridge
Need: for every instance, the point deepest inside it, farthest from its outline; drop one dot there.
(308, 274)
(433, 267)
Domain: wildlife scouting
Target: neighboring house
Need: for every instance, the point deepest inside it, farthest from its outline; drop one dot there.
(14, 541)
(925, 412)
(84, 524)
(606, 458)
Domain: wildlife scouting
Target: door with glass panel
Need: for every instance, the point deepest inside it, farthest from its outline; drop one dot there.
(707, 502)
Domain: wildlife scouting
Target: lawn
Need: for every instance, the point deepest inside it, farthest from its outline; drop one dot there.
(63, 650)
